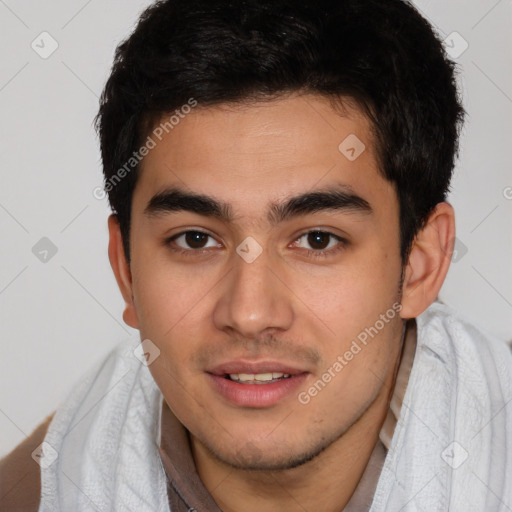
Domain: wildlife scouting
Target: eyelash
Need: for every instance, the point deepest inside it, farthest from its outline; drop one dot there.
(321, 253)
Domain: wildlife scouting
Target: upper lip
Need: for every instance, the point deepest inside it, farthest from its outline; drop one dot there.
(254, 367)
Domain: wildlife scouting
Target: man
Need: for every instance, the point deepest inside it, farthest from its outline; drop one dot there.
(278, 175)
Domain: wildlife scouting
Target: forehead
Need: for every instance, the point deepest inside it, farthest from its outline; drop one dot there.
(251, 153)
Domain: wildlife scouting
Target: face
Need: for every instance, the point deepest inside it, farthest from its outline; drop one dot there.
(255, 299)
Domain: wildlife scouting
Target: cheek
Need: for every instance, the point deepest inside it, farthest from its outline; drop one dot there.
(360, 306)
(350, 297)
(166, 295)
(360, 356)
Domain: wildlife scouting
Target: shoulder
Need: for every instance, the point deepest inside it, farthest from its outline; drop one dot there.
(450, 335)
(20, 474)
(443, 318)
(20, 477)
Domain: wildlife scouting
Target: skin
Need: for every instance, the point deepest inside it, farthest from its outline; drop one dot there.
(202, 309)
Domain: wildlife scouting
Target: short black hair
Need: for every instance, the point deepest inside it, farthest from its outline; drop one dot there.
(381, 54)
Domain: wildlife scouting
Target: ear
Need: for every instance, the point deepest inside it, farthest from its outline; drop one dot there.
(122, 271)
(429, 261)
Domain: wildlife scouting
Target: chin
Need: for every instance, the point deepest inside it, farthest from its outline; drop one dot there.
(251, 457)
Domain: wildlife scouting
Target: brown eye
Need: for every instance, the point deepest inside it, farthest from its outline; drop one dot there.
(195, 239)
(318, 239)
(322, 243)
(191, 241)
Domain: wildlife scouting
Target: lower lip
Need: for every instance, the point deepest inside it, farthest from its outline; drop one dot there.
(256, 395)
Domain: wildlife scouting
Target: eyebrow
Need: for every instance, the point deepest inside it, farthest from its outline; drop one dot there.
(338, 198)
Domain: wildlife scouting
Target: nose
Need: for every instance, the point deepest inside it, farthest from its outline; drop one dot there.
(254, 298)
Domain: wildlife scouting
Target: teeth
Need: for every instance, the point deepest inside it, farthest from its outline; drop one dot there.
(257, 377)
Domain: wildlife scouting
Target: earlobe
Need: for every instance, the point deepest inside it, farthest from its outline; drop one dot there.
(121, 271)
(429, 261)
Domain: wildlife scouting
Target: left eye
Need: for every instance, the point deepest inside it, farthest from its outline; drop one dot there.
(318, 239)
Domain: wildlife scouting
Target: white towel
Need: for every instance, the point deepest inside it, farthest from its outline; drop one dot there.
(106, 435)
(452, 445)
(451, 449)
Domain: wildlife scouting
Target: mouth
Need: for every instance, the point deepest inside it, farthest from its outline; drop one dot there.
(255, 385)
(257, 378)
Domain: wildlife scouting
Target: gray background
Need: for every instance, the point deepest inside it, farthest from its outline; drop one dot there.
(62, 312)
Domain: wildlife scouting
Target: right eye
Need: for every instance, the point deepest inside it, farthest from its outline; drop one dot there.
(189, 242)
